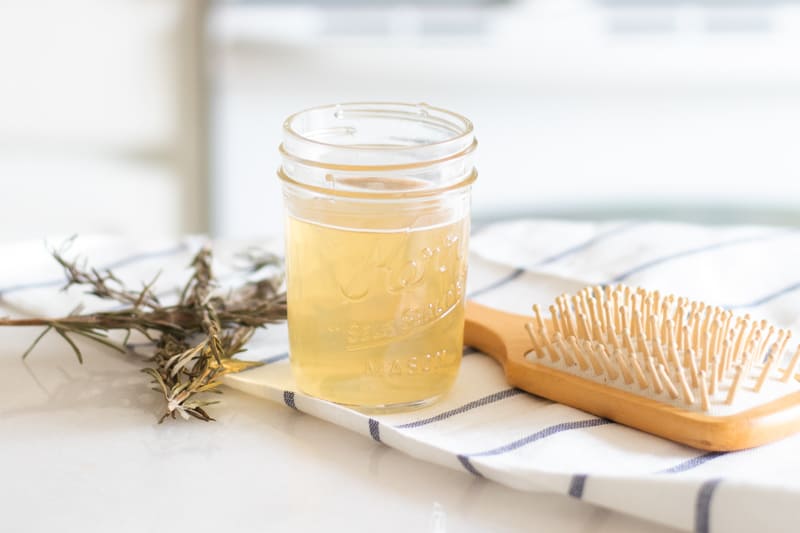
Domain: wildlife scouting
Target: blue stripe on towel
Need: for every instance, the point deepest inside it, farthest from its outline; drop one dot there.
(768, 298)
(486, 400)
(499, 283)
(694, 251)
(588, 243)
(375, 429)
(468, 466)
(288, 399)
(274, 358)
(143, 256)
(542, 434)
(268, 361)
(694, 462)
(556, 257)
(576, 485)
(702, 506)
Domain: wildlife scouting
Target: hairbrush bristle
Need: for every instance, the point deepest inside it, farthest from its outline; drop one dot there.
(687, 352)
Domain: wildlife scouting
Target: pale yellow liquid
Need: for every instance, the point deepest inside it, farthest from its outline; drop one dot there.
(376, 316)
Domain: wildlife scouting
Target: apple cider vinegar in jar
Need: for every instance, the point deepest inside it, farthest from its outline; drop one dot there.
(377, 224)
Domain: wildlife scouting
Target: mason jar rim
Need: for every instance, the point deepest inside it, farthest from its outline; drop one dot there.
(466, 130)
(344, 149)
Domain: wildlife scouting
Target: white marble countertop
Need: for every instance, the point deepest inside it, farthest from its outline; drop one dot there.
(80, 449)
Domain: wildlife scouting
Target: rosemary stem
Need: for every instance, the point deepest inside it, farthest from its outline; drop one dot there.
(24, 322)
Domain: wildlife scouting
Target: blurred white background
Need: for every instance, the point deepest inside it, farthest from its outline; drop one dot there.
(158, 116)
(101, 109)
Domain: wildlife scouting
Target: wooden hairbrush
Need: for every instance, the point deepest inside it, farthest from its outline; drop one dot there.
(683, 370)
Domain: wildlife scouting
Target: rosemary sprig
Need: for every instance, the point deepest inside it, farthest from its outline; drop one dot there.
(195, 339)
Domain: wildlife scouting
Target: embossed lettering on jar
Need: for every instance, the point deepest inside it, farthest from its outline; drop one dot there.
(377, 199)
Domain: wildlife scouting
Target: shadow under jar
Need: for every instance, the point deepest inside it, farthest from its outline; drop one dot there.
(377, 199)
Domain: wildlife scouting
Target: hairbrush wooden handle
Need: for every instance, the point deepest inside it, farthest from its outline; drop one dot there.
(495, 333)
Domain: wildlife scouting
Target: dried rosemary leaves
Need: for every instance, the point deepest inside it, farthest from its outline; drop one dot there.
(195, 339)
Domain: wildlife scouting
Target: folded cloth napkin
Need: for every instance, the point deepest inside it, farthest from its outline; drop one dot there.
(488, 429)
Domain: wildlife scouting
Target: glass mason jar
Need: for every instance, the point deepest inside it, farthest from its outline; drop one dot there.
(377, 199)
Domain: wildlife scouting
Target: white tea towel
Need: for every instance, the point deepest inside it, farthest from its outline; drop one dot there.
(486, 428)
